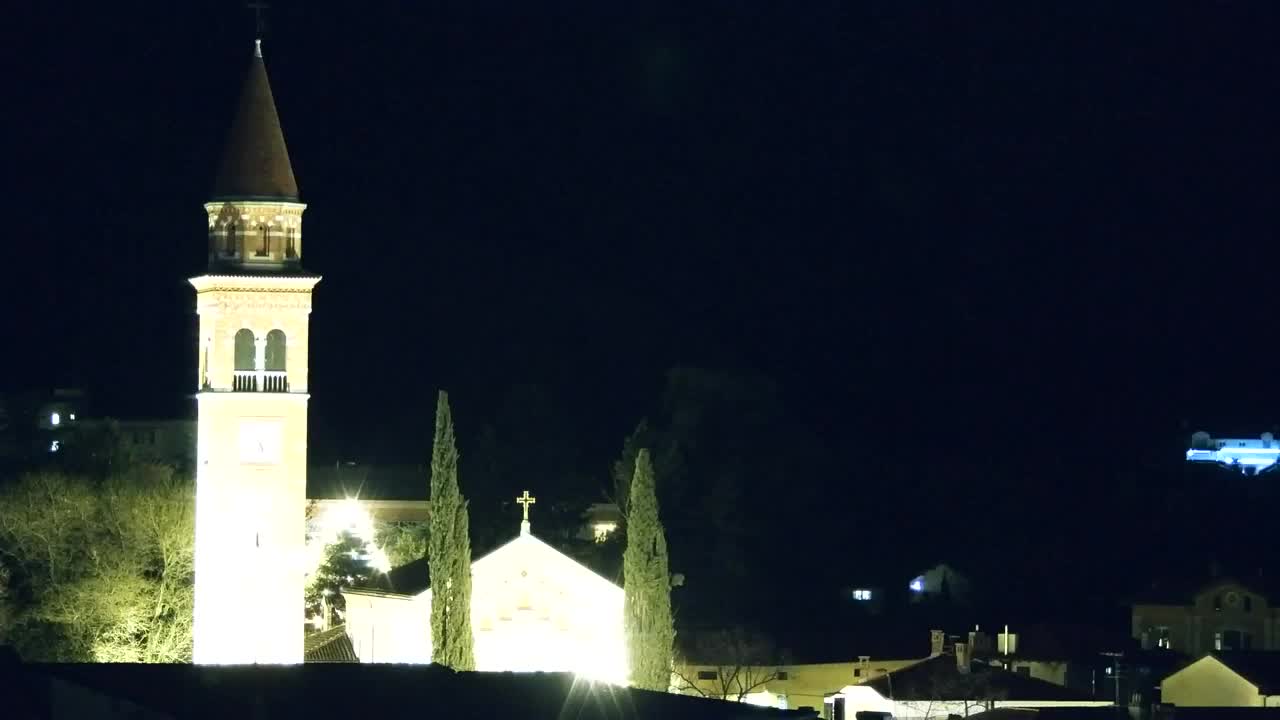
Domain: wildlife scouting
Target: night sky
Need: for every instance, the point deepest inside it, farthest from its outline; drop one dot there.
(998, 257)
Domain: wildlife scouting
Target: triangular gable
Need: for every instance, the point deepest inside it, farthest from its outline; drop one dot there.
(562, 562)
(1209, 659)
(415, 574)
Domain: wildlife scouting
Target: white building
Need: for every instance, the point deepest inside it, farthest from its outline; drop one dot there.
(532, 609)
(1249, 455)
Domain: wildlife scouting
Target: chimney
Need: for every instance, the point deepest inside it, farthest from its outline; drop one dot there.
(962, 657)
(937, 641)
(979, 642)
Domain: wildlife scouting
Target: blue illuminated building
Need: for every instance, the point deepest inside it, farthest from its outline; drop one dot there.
(1249, 456)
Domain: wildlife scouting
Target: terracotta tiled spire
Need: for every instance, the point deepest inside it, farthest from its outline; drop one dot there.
(255, 165)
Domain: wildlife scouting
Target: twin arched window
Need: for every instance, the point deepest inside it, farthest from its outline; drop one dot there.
(275, 351)
(248, 375)
(265, 248)
(245, 350)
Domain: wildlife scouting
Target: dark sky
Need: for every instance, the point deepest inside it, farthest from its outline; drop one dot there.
(988, 243)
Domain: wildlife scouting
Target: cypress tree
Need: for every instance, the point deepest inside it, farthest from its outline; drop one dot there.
(650, 630)
(449, 551)
(462, 654)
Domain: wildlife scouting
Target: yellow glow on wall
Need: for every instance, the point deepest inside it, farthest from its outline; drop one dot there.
(248, 607)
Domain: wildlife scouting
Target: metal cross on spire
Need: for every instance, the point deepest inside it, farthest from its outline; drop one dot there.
(525, 501)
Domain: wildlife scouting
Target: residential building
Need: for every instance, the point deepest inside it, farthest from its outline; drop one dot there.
(1225, 614)
(1248, 455)
(1225, 679)
(949, 684)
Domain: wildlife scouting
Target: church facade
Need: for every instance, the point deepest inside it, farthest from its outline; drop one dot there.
(533, 609)
(254, 304)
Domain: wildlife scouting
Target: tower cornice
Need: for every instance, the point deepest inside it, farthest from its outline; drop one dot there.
(254, 283)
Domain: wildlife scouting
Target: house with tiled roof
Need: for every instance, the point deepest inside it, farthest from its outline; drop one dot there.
(329, 646)
(1225, 679)
(951, 684)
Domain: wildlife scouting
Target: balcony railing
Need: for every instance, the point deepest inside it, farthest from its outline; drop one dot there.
(260, 381)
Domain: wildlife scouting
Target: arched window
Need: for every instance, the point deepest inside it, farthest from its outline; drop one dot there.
(275, 350)
(245, 350)
(265, 248)
(231, 239)
(289, 250)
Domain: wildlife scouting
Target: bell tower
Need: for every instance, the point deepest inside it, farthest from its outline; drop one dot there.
(254, 304)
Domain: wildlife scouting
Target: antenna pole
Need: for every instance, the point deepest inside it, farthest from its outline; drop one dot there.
(257, 6)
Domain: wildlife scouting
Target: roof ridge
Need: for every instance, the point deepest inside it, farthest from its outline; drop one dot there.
(255, 163)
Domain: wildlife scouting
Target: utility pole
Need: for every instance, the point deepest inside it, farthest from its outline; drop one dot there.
(1115, 671)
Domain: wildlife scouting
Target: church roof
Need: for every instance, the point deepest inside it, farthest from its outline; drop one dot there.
(414, 578)
(408, 579)
(255, 163)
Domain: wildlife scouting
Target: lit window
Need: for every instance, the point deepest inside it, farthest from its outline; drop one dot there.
(602, 530)
(55, 419)
(917, 585)
(1217, 641)
(53, 446)
(1162, 638)
(72, 416)
(861, 594)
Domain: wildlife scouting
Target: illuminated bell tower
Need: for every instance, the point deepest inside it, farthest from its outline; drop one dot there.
(254, 305)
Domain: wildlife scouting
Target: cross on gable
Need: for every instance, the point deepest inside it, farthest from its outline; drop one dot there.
(525, 501)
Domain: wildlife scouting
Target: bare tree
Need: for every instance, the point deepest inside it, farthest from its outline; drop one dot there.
(100, 570)
(729, 665)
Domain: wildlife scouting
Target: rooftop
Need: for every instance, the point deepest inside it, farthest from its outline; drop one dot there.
(329, 646)
(1258, 667)
(939, 675)
(343, 690)
(255, 165)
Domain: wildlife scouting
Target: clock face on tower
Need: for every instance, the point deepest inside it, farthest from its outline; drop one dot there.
(260, 442)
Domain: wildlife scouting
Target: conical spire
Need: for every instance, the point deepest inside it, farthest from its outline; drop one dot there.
(255, 164)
